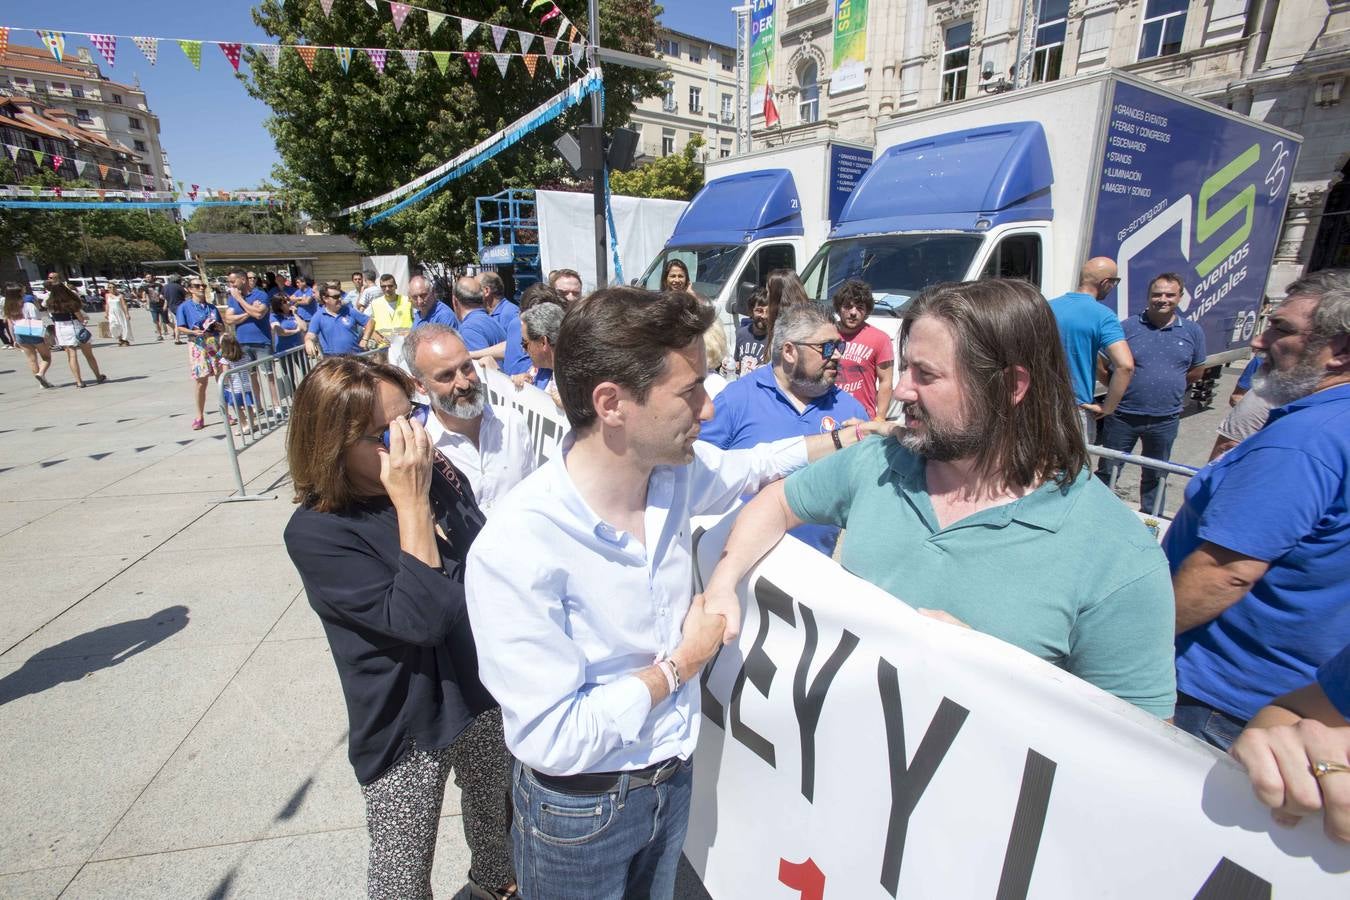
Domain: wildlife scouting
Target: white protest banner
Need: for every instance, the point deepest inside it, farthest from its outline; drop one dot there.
(850, 747)
(547, 423)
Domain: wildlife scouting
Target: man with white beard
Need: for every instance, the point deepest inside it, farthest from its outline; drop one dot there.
(1260, 551)
(490, 446)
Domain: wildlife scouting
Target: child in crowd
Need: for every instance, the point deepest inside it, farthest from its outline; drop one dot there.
(233, 386)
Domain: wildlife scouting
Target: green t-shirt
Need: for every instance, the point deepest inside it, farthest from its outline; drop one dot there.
(1071, 575)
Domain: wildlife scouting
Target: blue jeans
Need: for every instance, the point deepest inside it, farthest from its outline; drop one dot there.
(620, 845)
(1213, 726)
(1120, 431)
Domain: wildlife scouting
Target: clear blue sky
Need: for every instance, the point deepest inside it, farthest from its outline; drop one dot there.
(209, 125)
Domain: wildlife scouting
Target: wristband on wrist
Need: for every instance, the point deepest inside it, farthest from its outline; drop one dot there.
(668, 672)
(834, 436)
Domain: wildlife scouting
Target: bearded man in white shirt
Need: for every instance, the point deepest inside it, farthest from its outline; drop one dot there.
(586, 631)
(491, 446)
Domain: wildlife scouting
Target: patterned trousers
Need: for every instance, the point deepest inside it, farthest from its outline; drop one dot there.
(403, 812)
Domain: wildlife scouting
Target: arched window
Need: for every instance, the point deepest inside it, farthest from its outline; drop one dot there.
(808, 106)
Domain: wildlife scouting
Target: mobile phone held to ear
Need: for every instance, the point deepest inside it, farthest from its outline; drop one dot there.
(419, 412)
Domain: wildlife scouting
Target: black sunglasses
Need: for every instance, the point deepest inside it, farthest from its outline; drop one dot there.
(826, 348)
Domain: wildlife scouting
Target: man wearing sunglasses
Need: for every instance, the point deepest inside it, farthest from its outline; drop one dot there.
(1088, 328)
(796, 395)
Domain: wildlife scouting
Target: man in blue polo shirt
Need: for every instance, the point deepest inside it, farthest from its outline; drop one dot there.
(334, 328)
(476, 327)
(510, 357)
(1088, 329)
(426, 306)
(1169, 352)
(1260, 551)
(250, 312)
(796, 395)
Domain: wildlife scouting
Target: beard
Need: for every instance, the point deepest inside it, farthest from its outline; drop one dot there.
(939, 442)
(467, 405)
(1279, 388)
(803, 385)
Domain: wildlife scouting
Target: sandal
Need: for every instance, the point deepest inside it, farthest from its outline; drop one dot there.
(198, 424)
(43, 381)
(102, 378)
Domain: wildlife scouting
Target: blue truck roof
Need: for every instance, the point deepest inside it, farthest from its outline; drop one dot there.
(1000, 173)
(739, 208)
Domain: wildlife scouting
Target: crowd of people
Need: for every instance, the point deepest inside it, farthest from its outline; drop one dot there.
(531, 629)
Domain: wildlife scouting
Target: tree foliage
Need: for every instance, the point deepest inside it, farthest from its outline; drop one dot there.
(95, 240)
(346, 137)
(244, 219)
(674, 177)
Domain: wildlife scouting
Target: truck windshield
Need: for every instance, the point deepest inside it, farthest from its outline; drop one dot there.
(710, 267)
(897, 266)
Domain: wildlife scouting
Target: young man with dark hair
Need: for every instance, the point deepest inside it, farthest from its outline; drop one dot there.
(983, 510)
(865, 369)
(567, 283)
(585, 629)
(752, 334)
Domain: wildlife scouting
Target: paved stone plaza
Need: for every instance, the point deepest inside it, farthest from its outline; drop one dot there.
(170, 722)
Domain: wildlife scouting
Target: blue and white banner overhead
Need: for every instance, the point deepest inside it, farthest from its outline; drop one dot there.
(475, 156)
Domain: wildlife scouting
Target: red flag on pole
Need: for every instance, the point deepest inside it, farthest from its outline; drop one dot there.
(770, 110)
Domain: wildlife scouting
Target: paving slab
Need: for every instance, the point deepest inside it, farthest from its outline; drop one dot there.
(38, 594)
(39, 884)
(18, 513)
(85, 734)
(298, 622)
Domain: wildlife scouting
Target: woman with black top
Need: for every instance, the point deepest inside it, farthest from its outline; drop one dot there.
(380, 538)
(68, 320)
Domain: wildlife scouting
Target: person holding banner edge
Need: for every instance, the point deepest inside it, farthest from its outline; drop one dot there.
(986, 485)
(594, 595)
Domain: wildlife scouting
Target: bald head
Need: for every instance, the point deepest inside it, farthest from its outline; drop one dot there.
(1098, 277)
(421, 294)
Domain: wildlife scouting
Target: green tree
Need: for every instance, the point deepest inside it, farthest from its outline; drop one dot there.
(244, 220)
(344, 138)
(674, 177)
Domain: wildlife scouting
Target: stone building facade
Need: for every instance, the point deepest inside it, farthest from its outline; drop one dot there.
(1282, 61)
(700, 98)
(119, 113)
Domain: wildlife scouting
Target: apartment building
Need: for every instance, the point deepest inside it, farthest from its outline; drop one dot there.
(700, 98)
(118, 113)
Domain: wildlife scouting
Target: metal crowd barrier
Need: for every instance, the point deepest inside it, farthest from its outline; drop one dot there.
(1143, 462)
(255, 400)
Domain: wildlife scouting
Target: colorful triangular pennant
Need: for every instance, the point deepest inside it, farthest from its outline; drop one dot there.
(373, 5)
(472, 57)
(193, 51)
(327, 7)
(79, 167)
(577, 50)
(526, 39)
(400, 12)
(531, 62)
(563, 25)
(55, 41)
(558, 63)
(550, 45)
(4, 39)
(410, 59)
(434, 21)
(466, 28)
(377, 57)
(307, 54)
(102, 172)
(107, 45)
(498, 35)
(550, 14)
(344, 55)
(538, 3)
(38, 156)
(148, 46)
(13, 152)
(231, 52)
(503, 60)
(442, 58)
(270, 52)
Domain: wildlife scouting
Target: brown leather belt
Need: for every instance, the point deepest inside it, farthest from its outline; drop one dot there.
(603, 782)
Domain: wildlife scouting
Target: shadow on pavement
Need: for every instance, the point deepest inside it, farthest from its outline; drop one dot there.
(101, 648)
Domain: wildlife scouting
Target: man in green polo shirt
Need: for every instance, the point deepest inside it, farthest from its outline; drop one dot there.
(981, 511)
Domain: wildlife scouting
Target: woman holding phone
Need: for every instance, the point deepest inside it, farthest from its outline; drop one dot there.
(380, 538)
(69, 321)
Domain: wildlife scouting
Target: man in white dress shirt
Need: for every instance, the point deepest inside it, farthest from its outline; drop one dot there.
(490, 446)
(586, 631)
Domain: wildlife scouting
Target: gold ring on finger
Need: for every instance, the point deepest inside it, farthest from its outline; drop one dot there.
(1324, 767)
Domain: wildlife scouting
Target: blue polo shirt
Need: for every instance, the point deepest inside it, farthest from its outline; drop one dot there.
(505, 310)
(440, 315)
(253, 331)
(1244, 381)
(1334, 676)
(1162, 356)
(480, 330)
(754, 409)
(287, 341)
(516, 360)
(1086, 328)
(341, 333)
(193, 314)
(543, 378)
(1281, 496)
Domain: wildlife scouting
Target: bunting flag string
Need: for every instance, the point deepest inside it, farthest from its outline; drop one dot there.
(148, 46)
(400, 12)
(57, 159)
(327, 7)
(4, 39)
(466, 29)
(22, 190)
(106, 44)
(13, 151)
(425, 185)
(434, 21)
